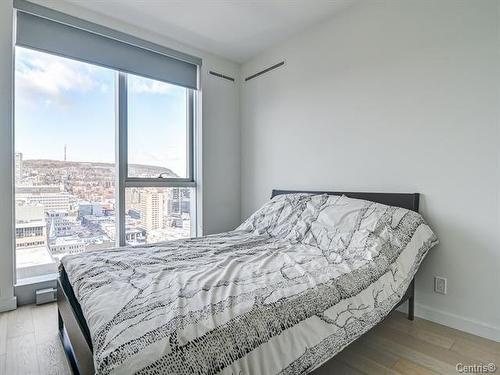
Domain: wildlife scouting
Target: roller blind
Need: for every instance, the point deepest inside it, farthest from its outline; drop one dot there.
(54, 32)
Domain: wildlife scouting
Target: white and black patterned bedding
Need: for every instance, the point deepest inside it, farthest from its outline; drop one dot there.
(292, 286)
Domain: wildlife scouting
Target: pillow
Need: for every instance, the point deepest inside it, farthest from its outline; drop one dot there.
(278, 216)
(344, 229)
(354, 230)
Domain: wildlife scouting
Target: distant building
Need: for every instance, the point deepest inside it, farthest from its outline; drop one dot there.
(178, 201)
(108, 227)
(66, 245)
(175, 221)
(186, 225)
(108, 211)
(38, 189)
(186, 200)
(186, 206)
(174, 202)
(60, 223)
(32, 254)
(152, 209)
(133, 199)
(96, 222)
(49, 196)
(90, 208)
(99, 244)
(134, 214)
(31, 227)
(135, 236)
(19, 166)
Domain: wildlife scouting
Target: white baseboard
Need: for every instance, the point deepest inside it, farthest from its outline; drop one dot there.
(458, 322)
(8, 304)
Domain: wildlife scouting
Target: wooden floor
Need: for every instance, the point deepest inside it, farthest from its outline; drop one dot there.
(29, 344)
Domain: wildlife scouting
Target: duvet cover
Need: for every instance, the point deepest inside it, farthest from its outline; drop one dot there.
(298, 281)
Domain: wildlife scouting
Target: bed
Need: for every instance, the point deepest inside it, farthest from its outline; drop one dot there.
(306, 275)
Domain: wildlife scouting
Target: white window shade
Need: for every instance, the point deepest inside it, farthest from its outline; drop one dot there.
(54, 32)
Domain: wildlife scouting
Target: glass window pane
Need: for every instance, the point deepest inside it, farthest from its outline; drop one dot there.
(157, 129)
(158, 214)
(64, 161)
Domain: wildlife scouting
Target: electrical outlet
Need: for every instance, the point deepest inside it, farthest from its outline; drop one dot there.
(440, 284)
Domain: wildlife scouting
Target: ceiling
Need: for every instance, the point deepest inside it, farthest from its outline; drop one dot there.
(235, 29)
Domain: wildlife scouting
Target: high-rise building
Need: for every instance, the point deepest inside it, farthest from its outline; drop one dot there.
(133, 199)
(152, 209)
(186, 200)
(174, 202)
(178, 201)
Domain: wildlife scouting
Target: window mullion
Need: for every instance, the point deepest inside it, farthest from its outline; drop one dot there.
(158, 182)
(190, 138)
(121, 155)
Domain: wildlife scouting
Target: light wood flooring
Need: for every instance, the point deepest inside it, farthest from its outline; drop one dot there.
(29, 344)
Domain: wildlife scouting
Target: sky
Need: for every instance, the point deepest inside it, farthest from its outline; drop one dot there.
(61, 102)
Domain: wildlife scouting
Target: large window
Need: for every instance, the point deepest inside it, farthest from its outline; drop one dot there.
(103, 158)
(158, 214)
(158, 129)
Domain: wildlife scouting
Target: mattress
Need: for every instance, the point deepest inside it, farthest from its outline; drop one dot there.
(75, 305)
(302, 278)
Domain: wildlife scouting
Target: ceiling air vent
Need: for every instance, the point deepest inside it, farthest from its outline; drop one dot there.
(221, 75)
(265, 71)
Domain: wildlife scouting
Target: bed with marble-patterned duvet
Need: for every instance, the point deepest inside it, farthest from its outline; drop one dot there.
(298, 281)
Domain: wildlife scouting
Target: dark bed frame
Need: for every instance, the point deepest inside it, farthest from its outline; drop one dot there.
(75, 337)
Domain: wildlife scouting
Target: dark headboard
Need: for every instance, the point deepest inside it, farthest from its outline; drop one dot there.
(404, 200)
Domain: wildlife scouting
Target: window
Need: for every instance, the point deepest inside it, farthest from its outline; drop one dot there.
(103, 158)
(158, 129)
(104, 139)
(158, 214)
(157, 153)
(65, 159)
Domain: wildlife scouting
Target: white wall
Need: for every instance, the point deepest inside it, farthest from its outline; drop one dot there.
(394, 96)
(7, 300)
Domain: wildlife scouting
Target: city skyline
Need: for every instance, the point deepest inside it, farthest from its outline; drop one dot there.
(69, 207)
(86, 161)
